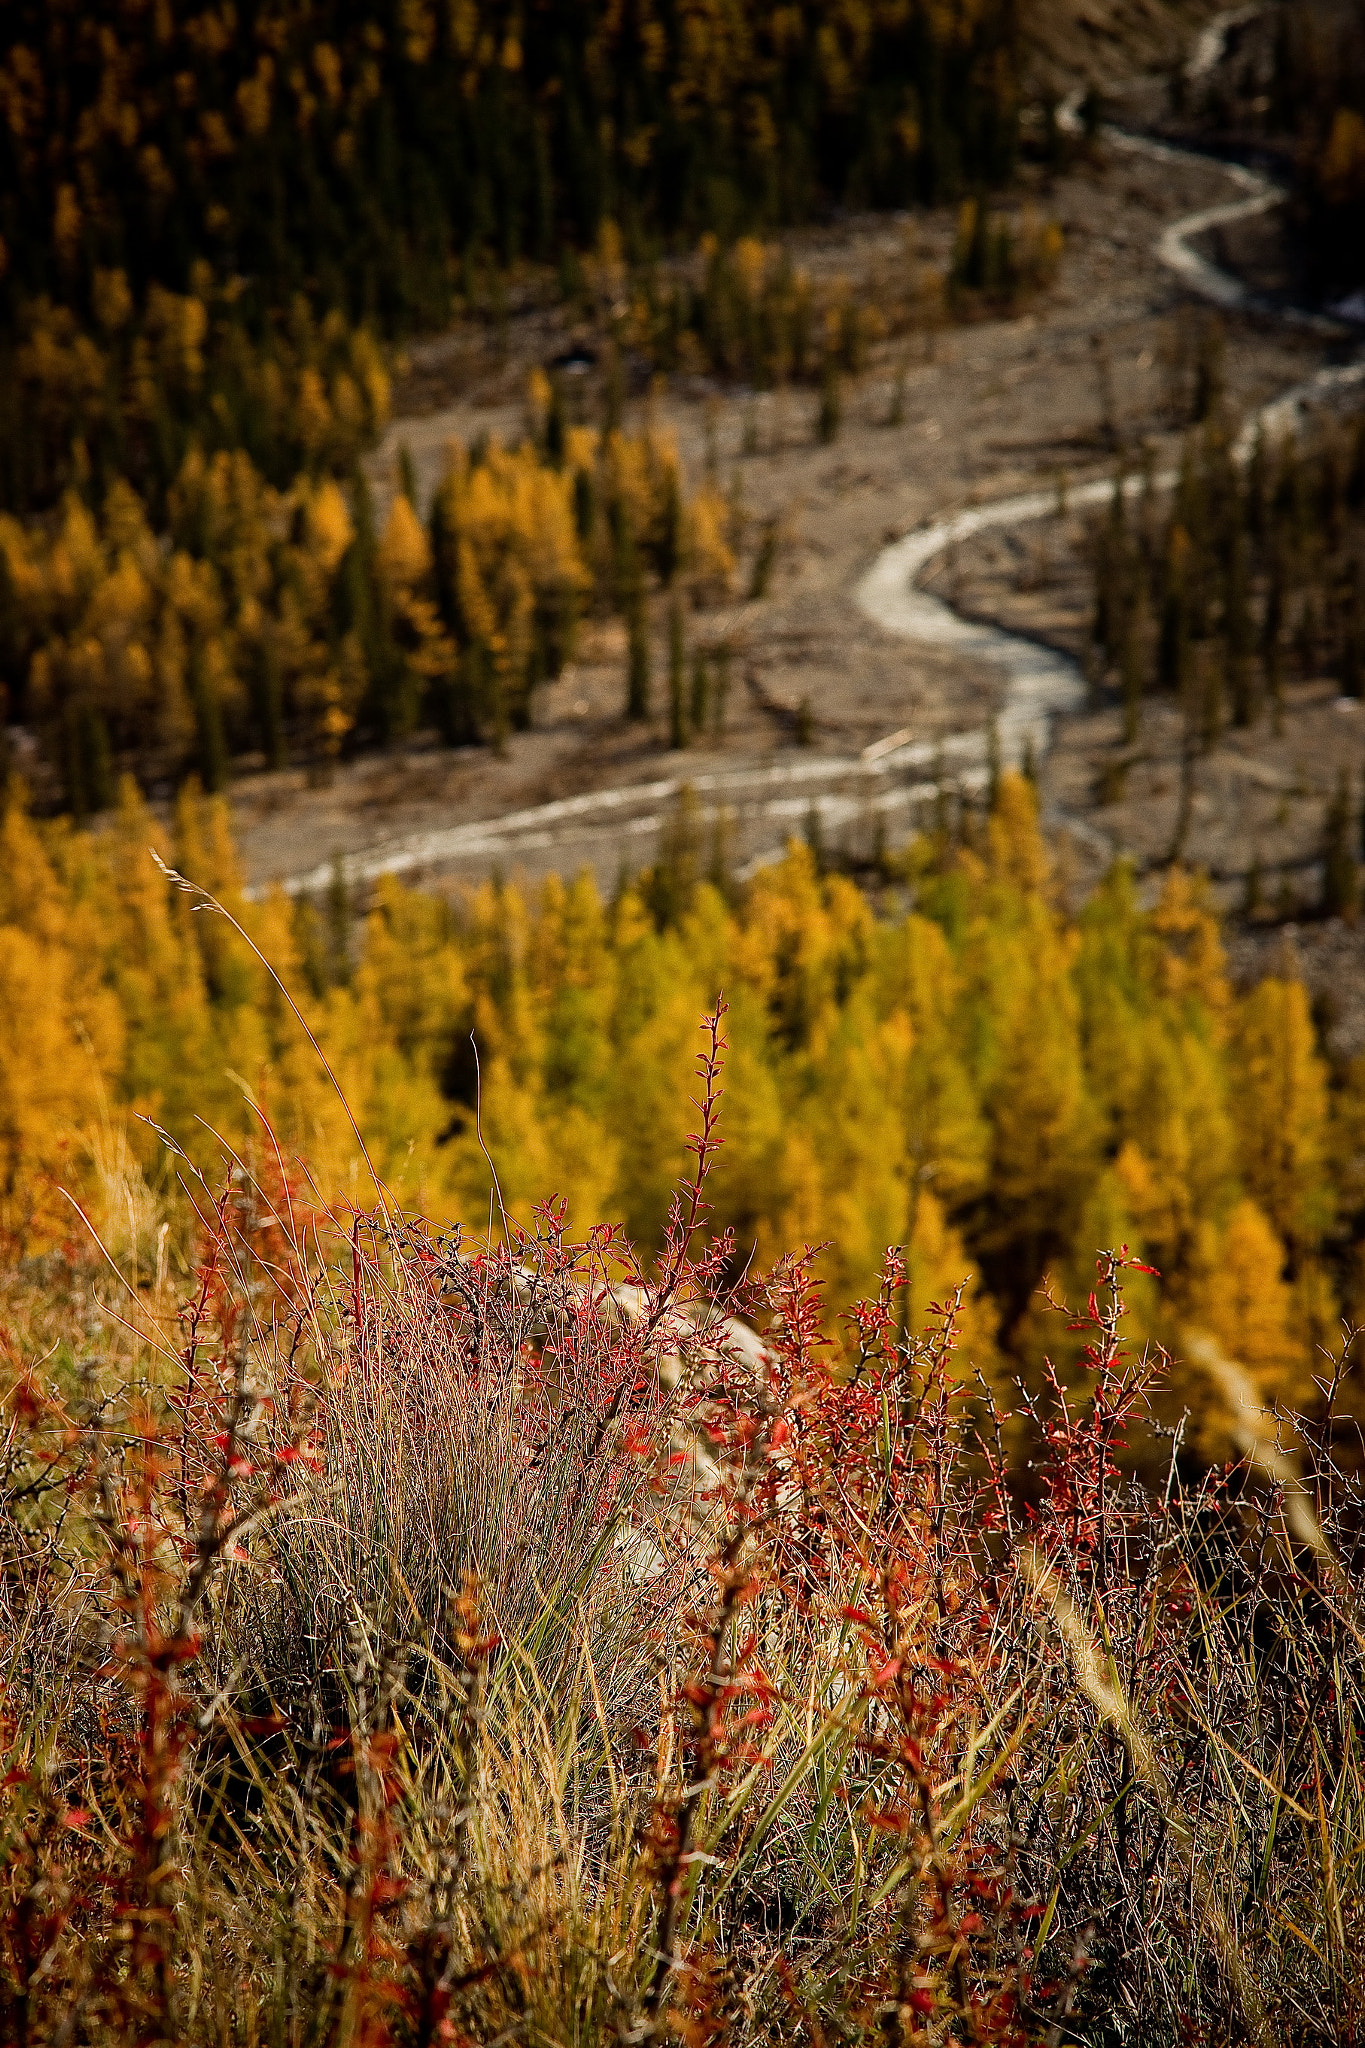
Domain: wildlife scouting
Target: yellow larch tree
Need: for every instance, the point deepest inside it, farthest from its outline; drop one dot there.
(1280, 1084)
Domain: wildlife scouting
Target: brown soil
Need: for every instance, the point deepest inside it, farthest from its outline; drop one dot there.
(1105, 42)
(986, 410)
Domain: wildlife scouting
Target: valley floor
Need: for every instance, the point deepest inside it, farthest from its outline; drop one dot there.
(1045, 400)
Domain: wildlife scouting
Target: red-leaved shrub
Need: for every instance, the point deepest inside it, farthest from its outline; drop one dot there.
(440, 1640)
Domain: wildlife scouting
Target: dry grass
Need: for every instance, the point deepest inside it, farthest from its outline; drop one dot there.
(427, 1641)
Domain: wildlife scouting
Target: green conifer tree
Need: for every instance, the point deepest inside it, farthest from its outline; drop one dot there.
(677, 674)
(1272, 630)
(699, 698)
(1237, 632)
(208, 719)
(720, 689)
(1131, 665)
(829, 415)
(1351, 673)
(1340, 876)
(637, 655)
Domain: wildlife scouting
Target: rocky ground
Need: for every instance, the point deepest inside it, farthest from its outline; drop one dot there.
(945, 417)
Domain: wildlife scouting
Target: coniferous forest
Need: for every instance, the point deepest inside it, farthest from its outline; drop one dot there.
(975, 1075)
(772, 1452)
(1304, 87)
(1237, 579)
(213, 223)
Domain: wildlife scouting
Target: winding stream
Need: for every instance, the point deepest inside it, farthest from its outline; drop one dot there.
(1042, 684)
(897, 774)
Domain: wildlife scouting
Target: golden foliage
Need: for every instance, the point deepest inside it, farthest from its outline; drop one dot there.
(977, 1079)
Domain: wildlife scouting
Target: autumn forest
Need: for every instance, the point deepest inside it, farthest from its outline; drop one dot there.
(714, 1444)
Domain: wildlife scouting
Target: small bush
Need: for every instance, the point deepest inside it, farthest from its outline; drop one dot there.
(441, 1640)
